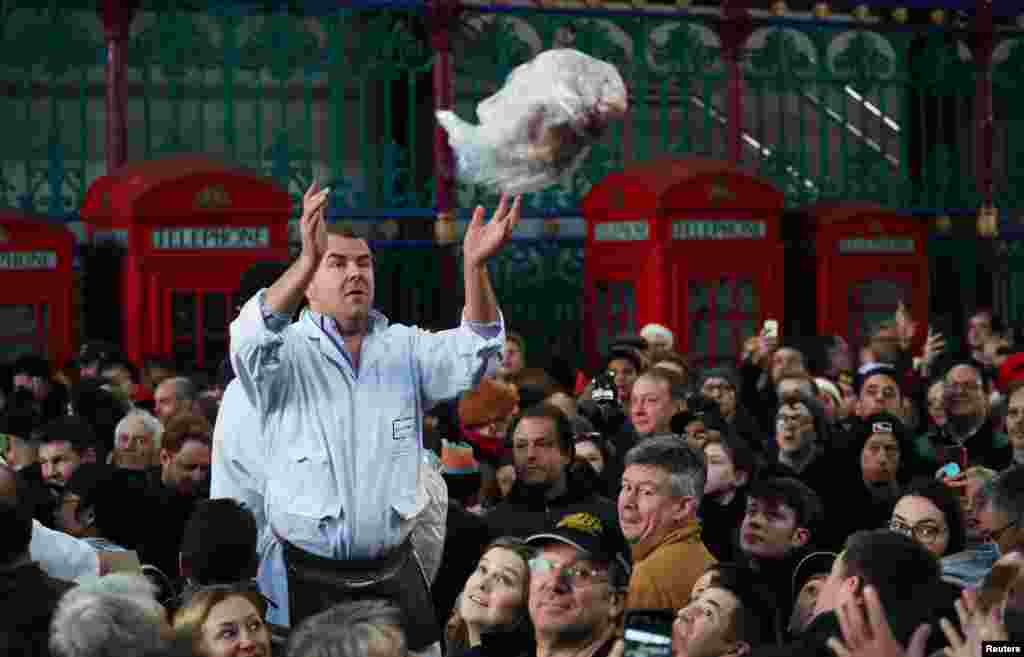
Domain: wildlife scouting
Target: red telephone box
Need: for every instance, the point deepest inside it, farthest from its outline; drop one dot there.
(691, 243)
(193, 226)
(35, 298)
(868, 259)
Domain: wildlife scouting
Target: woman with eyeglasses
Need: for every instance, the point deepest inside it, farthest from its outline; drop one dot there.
(226, 621)
(929, 512)
(491, 616)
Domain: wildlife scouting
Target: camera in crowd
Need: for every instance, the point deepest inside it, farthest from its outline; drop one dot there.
(604, 408)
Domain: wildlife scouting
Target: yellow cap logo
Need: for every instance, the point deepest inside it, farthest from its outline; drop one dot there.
(583, 522)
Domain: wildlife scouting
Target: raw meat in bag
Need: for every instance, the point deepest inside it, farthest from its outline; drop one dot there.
(538, 128)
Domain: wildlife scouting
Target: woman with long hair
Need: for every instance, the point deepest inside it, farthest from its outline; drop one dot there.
(491, 616)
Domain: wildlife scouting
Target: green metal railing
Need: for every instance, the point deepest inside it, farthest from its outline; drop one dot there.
(832, 110)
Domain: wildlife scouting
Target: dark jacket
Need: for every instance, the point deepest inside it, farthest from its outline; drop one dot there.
(466, 536)
(503, 644)
(28, 598)
(812, 643)
(747, 428)
(37, 494)
(851, 507)
(760, 402)
(774, 586)
(162, 543)
(527, 510)
(987, 447)
(720, 526)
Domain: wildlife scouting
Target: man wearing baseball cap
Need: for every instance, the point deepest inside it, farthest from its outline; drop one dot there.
(578, 583)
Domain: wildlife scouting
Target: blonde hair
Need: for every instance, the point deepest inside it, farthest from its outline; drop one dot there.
(190, 617)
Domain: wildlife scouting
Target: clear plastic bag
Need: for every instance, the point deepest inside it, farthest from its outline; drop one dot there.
(538, 128)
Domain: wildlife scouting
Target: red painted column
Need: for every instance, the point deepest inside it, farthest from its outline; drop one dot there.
(734, 29)
(443, 15)
(982, 44)
(117, 20)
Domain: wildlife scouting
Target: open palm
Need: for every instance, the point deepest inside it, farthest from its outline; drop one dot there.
(483, 240)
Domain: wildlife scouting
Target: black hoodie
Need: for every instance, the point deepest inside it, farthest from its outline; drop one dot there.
(774, 585)
(527, 510)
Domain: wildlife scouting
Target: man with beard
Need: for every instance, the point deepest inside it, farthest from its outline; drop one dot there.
(547, 487)
(969, 436)
(180, 481)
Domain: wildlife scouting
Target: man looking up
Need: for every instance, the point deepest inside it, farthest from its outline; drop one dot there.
(340, 395)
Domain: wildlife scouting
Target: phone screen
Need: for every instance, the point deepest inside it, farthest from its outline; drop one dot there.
(649, 633)
(952, 454)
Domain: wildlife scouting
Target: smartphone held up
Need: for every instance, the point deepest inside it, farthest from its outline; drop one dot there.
(648, 633)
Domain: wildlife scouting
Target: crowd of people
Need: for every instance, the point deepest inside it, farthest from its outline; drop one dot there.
(349, 487)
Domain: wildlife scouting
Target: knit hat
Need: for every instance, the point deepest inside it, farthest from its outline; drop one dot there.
(488, 402)
(1010, 371)
(874, 369)
(457, 458)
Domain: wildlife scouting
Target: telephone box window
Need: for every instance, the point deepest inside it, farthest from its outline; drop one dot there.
(871, 303)
(616, 311)
(722, 314)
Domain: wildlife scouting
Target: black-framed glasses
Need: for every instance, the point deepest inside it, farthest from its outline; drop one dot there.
(795, 420)
(577, 575)
(924, 532)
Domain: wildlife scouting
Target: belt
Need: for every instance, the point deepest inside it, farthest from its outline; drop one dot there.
(317, 583)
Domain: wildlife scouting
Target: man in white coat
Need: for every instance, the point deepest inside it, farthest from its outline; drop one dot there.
(332, 464)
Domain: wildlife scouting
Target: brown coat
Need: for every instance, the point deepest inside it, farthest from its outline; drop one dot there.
(666, 567)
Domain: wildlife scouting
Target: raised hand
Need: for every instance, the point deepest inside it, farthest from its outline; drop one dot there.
(977, 624)
(906, 328)
(312, 225)
(872, 637)
(934, 347)
(482, 240)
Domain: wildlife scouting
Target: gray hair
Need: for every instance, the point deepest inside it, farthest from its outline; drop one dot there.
(348, 630)
(184, 388)
(687, 470)
(149, 421)
(108, 617)
(1006, 493)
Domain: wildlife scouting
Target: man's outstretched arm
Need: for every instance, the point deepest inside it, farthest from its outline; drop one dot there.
(481, 243)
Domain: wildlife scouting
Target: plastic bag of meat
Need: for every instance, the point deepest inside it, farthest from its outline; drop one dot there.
(540, 125)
